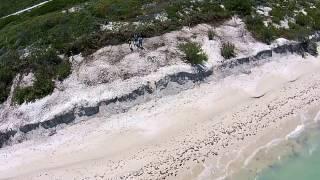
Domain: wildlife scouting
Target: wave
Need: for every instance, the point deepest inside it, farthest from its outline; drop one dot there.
(295, 133)
(272, 143)
(317, 117)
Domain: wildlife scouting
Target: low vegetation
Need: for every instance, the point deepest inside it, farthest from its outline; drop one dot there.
(241, 7)
(41, 87)
(259, 30)
(228, 50)
(294, 20)
(11, 6)
(54, 29)
(46, 65)
(193, 53)
(8, 69)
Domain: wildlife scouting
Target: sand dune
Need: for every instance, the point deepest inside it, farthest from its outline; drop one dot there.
(193, 135)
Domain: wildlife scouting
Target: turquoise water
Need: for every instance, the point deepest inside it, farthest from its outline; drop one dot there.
(303, 161)
(296, 157)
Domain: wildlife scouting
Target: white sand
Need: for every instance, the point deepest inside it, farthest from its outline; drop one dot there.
(114, 70)
(192, 135)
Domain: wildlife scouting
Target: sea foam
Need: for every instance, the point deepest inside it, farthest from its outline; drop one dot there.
(299, 129)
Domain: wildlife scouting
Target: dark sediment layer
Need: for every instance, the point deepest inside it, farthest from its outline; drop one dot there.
(124, 103)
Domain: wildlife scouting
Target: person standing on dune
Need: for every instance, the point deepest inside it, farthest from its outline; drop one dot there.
(140, 41)
(130, 44)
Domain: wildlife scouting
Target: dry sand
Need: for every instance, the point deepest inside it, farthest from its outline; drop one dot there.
(114, 71)
(197, 134)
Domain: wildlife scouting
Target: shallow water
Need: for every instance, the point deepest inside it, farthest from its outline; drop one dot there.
(296, 157)
(301, 164)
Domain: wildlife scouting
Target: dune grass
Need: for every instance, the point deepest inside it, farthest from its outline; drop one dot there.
(53, 27)
(193, 53)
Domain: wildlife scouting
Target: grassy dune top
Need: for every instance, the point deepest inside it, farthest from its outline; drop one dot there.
(31, 41)
(11, 6)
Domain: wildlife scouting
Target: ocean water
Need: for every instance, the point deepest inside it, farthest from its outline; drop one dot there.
(296, 157)
(302, 163)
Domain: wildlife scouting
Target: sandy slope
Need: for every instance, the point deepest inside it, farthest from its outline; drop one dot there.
(191, 135)
(114, 71)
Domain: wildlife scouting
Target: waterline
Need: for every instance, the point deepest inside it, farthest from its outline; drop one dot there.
(295, 157)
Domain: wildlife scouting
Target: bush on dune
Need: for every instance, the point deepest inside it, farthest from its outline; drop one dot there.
(259, 30)
(193, 53)
(228, 50)
(41, 88)
(47, 66)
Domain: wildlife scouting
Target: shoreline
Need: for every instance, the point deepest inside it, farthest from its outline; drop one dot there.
(174, 137)
(246, 161)
(280, 149)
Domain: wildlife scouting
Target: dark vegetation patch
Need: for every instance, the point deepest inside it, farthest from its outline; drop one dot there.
(241, 7)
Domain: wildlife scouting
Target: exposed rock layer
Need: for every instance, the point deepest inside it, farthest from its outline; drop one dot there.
(200, 73)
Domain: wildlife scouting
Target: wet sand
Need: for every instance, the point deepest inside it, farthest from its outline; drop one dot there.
(193, 135)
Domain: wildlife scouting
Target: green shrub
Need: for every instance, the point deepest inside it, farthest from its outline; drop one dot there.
(193, 53)
(47, 66)
(6, 77)
(63, 70)
(314, 15)
(316, 24)
(174, 9)
(277, 14)
(228, 50)
(118, 9)
(297, 32)
(22, 95)
(242, 7)
(41, 88)
(259, 30)
(198, 12)
(302, 19)
(254, 21)
(268, 34)
(50, 63)
(9, 65)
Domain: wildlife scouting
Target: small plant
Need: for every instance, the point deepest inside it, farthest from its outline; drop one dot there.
(211, 34)
(227, 50)
(193, 53)
(268, 35)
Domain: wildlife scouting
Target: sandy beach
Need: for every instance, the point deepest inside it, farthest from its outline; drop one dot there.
(200, 133)
(159, 90)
